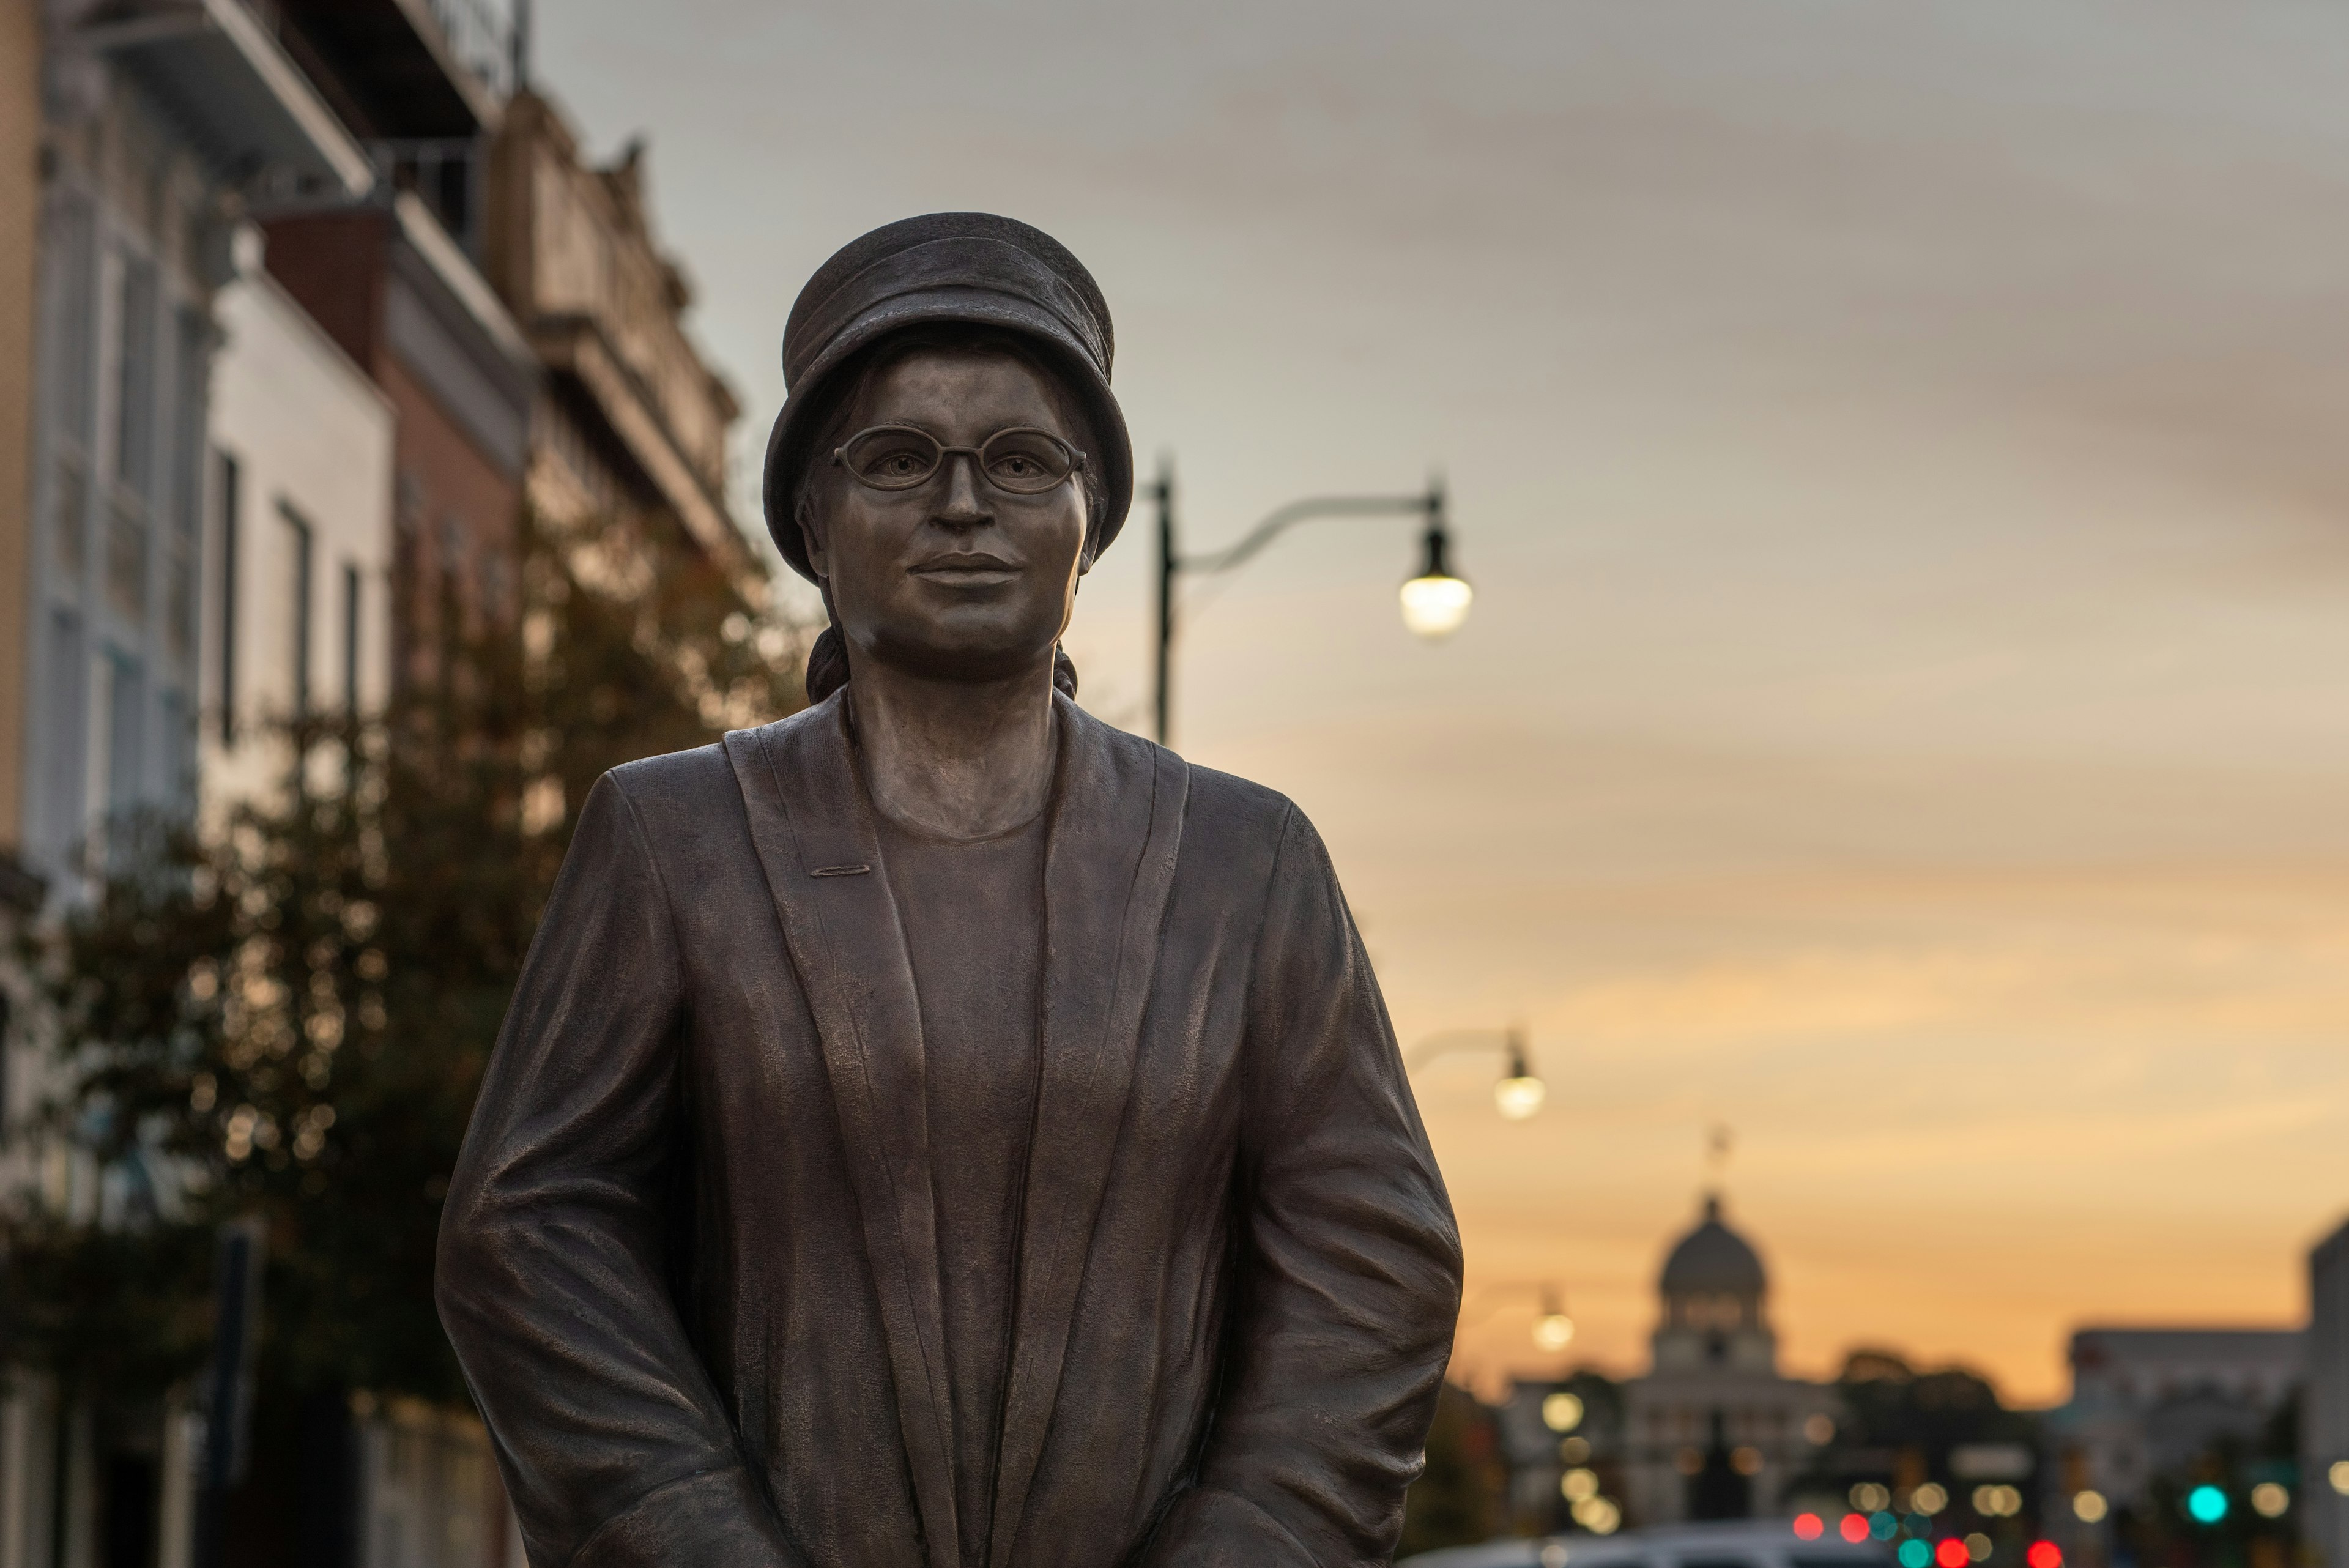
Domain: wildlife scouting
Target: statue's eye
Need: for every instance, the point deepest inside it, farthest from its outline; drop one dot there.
(893, 458)
(1025, 461)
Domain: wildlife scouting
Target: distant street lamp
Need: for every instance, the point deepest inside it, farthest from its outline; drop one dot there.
(1518, 1093)
(1552, 1330)
(1435, 602)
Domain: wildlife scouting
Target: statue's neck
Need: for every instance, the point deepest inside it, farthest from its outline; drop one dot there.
(956, 759)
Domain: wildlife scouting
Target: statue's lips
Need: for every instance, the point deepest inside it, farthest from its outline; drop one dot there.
(967, 571)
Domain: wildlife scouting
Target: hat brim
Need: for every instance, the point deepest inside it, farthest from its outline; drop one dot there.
(788, 445)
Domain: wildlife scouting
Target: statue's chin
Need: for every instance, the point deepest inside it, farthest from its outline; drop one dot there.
(970, 655)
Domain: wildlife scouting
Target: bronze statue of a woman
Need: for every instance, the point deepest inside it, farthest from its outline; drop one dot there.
(938, 1129)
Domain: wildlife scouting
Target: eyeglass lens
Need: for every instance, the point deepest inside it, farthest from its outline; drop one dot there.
(899, 457)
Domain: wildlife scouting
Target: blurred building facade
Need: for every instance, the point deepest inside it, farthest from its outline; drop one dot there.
(633, 433)
(305, 309)
(2147, 1402)
(299, 569)
(1715, 1431)
(2324, 1417)
(20, 227)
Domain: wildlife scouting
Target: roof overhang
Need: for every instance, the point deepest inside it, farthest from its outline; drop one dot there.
(247, 106)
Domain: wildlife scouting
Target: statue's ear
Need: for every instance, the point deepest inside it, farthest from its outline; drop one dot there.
(811, 535)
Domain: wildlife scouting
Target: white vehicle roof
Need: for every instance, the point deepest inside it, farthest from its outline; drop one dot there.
(1742, 1544)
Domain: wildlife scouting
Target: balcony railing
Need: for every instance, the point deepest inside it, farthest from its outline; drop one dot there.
(480, 35)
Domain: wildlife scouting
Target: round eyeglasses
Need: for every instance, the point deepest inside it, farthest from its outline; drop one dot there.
(1020, 461)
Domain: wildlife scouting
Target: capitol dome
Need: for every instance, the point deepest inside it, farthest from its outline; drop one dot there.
(1713, 1260)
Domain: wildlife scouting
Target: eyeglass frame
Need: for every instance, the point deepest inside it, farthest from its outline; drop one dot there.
(1080, 458)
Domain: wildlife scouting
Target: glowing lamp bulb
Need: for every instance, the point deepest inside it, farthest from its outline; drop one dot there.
(1554, 1331)
(1433, 607)
(1435, 602)
(1519, 1097)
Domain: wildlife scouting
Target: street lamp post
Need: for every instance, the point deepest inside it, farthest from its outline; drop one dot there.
(1435, 602)
(1519, 1093)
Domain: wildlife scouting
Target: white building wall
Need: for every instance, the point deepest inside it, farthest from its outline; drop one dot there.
(300, 491)
(2325, 1418)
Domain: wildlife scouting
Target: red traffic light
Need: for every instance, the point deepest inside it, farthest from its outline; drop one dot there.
(1950, 1553)
(1853, 1528)
(1809, 1527)
(2044, 1554)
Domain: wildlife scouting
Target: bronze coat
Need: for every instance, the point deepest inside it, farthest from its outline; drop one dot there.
(688, 1258)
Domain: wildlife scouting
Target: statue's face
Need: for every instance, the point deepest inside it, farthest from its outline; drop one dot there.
(956, 578)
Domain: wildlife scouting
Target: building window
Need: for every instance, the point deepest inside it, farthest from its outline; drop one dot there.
(224, 498)
(134, 380)
(300, 541)
(125, 559)
(70, 516)
(180, 593)
(126, 713)
(65, 780)
(75, 329)
(174, 728)
(351, 600)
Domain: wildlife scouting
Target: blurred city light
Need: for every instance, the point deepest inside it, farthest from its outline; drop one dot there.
(1853, 1527)
(1950, 1553)
(2044, 1554)
(2339, 1476)
(1809, 1527)
(1915, 1554)
(1599, 1515)
(1868, 1497)
(1998, 1501)
(1561, 1412)
(1930, 1499)
(1578, 1486)
(2206, 1504)
(2089, 1507)
(1883, 1526)
(2271, 1500)
(1818, 1430)
(1977, 1547)
(1553, 1331)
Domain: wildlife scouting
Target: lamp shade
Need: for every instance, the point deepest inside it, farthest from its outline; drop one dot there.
(1435, 602)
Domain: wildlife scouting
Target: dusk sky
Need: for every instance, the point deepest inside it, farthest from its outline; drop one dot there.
(1902, 456)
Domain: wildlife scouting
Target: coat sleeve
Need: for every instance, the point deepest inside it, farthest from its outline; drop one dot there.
(552, 1277)
(1349, 1263)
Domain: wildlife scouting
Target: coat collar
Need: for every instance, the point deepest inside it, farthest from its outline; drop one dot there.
(1110, 855)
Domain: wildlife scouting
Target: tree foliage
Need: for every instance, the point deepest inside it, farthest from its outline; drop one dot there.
(285, 1010)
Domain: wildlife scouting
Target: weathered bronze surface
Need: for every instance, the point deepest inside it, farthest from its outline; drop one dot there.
(938, 1129)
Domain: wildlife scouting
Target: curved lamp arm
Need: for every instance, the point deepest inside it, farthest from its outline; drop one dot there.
(1520, 1091)
(1552, 1330)
(1431, 505)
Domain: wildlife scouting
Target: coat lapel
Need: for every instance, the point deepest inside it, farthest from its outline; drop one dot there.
(814, 833)
(1108, 867)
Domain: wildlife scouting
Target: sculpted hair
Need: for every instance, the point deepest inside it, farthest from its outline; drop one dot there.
(827, 666)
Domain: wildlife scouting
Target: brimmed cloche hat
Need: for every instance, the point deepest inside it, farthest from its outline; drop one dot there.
(969, 267)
